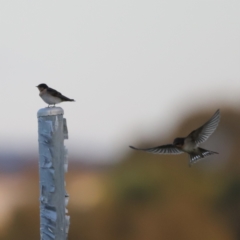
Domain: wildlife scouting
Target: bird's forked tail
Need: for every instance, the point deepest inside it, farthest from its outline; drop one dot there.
(194, 157)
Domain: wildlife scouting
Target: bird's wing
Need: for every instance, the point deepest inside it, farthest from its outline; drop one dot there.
(54, 92)
(201, 134)
(164, 149)
(57, 94)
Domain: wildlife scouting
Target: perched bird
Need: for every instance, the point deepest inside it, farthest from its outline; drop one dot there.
(51, 96)
(190, 143)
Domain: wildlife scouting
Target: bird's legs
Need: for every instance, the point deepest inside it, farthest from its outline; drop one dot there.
(49, 105)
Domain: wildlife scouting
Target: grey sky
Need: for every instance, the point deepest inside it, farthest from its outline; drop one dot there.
(133, 67)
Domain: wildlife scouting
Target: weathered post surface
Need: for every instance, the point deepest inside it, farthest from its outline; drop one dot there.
(52, 130)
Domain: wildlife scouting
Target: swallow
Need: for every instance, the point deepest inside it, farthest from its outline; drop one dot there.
(190, 143)
(51, 96)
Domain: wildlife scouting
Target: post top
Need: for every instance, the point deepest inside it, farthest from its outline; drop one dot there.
(50, 111)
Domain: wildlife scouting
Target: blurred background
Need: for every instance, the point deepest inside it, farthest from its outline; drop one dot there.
(142, 73)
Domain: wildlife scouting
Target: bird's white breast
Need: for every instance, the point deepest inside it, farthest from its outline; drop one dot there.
(189, 145)
(49, 99)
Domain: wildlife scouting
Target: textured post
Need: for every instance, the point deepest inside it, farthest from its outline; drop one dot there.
(52, 130)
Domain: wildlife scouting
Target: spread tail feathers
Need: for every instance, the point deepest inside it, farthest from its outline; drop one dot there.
(194, 157)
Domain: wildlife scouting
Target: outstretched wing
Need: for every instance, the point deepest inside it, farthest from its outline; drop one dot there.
(201, 134)
(164, 149)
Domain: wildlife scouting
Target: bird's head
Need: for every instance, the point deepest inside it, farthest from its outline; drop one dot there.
(178, 142)
(42, 87)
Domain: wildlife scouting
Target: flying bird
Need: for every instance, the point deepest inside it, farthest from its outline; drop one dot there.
(51, 96)
(190, 143)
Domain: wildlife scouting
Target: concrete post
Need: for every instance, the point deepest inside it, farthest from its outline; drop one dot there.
(52, 130)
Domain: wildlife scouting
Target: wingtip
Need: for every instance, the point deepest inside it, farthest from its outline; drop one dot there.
(218, 111)
(132, 147)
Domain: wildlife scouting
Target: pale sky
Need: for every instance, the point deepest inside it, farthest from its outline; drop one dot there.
(133, 67)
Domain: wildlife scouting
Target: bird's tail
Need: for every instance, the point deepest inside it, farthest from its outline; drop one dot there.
(66, 99)
(202, 153)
